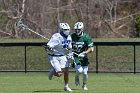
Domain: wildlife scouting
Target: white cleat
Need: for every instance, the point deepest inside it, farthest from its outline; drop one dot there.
(84, 87)
(51, 73)
(67, 89)
(77, 82)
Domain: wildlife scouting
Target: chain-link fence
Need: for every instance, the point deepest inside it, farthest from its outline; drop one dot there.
(120, 57)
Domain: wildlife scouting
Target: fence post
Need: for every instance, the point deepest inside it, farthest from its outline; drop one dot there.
(96, 58)
(25, 59)
(134, 59)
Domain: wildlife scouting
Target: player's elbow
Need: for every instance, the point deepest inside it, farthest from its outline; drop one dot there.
(92, 49)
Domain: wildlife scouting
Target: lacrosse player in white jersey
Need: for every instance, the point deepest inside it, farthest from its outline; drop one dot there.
(58, 45)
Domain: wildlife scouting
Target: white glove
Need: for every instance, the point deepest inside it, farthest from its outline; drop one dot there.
(70, 56)
(82, 55)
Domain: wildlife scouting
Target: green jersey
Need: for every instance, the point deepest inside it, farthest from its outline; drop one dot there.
(81, 44)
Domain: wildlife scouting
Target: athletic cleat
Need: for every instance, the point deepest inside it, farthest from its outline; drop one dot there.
(67, 89)
(77, 82)
(84, 87)
(51, 73)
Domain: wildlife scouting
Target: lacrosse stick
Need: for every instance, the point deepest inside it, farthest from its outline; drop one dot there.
(22, 26)
(73, 59)
(75, 53)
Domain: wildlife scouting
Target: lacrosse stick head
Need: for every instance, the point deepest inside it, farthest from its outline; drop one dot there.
(20, 25)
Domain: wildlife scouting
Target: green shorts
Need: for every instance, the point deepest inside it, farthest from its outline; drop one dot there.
(81, 61)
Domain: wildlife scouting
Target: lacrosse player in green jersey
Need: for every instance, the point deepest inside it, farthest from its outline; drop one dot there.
(82, 45)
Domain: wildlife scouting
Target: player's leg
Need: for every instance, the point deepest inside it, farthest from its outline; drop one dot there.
(56, 68)
(85, 77)
(66, 79)
(79, 70)
(65, 67)
(52, 70)
(51, 73)
(66, 75)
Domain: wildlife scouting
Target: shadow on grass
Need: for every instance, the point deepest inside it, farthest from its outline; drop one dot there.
(52, 90)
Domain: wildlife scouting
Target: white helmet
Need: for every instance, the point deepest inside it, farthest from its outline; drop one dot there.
(64, 28)
(79, 27)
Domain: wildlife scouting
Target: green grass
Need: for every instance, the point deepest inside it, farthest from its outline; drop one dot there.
(97, 83)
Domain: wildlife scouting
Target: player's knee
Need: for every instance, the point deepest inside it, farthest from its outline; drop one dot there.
(85, 72)
(65, 70)
(79, 71)
(58, 74)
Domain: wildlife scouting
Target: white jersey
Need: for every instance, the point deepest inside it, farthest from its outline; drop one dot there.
(59, 44)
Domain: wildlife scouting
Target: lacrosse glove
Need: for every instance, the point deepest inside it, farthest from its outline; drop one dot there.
(75, 64)
(82, 55)
(70, 56)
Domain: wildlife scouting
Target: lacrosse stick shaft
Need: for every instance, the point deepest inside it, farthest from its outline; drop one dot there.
(74, 60)
(75, 53)
(20, 24)
(37, 33)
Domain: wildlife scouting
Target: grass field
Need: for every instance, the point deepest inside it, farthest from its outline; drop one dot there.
(115, 60)
(97, 83)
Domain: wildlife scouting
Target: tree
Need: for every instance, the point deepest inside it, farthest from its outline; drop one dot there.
(137, 25)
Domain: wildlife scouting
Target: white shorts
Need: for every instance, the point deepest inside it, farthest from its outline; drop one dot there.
(58, 62)
(81, 69)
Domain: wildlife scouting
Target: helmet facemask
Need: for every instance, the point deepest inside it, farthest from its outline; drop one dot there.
(64, 28)
(78, 31)
(78, 27)
(66, 31)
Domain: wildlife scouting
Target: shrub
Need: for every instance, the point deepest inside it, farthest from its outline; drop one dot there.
(137, 25)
